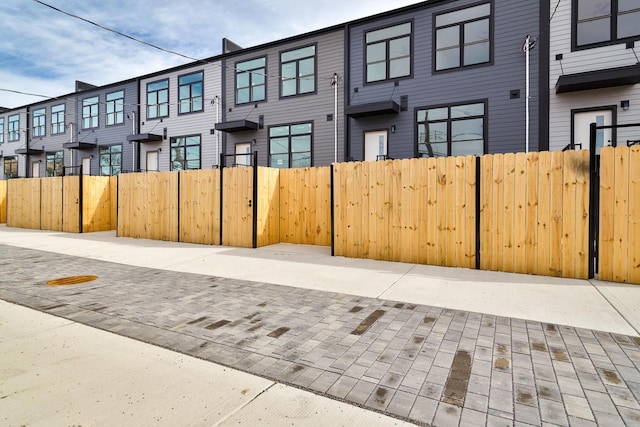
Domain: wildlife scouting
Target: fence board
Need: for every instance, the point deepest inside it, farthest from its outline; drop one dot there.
(200, 206)
(582, 214)
(544, 214)
(237, 212)
(555, 237)
(71, 204)
(531, 214)
(520, 214)
(269, 206)
(96, 204)
(51, 204)
(23, 203)
(3, 202)
(568, 217)
(634, 216)
(607, 209)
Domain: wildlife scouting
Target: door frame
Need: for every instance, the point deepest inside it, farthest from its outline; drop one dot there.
(364, 141)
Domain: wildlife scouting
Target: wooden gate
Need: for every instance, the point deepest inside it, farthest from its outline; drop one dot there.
(238, 207)
(71, 204)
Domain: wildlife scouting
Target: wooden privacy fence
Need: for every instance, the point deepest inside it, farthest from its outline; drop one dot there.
(72, 203)
(3, 202)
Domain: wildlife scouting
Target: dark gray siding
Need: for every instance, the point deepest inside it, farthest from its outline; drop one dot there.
(306, 108)
(505, 117)
(105, 135)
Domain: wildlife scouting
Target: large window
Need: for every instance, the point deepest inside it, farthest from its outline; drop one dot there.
(57, 119)
(55, 163)
(290, 146)
(38, 122)
(251, 81)
(115, 108)
(10, 167)
(1, 130)
(456, 130)
(190, 92)
(388, 53)
(110, 160)
(463, 37)
(90, 113)
(601, 22)
(14, 128)
(298, 71)
(185, 152)
(158, 99)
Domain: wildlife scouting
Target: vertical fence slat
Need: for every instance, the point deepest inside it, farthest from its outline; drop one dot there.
(531, 221)
(582, 214)
(605, 233)
(620, 214)
(634, 215)
(556, 237)
(520, 214)
(568, 214)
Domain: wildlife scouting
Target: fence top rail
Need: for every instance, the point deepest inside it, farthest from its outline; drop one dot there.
(628, 125)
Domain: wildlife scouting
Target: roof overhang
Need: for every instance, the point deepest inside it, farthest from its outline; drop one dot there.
(236, 126)
(78, 145)
(599, 79)
(373, 109)
(29, 151)
(145, 137)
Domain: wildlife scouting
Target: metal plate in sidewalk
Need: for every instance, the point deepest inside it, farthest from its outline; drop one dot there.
(73, 280)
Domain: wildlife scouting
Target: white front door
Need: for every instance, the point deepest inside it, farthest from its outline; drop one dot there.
(86, 166)
(375, 145)
(243, 154)
(35, 169)
(152, 160)
(581, 128)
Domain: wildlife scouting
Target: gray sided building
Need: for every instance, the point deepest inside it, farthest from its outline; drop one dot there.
(446, 78)
(279, 99)
(14, 140)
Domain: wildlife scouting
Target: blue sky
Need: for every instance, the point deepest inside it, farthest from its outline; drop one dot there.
(44, 52)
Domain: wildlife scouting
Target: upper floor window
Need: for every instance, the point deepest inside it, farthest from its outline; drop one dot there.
(158, 99)
(110, 160)
(115, 108)
(1, 130)
(190, 92)
(57, 119)
(601, 22)
(290, 146)
(462, 37)
(251, 81)
(90, 113)
(298, 71)
(456, 130)
(388, 53)
(185, 152)
(39, 125)
(14, 128)
(55, 163)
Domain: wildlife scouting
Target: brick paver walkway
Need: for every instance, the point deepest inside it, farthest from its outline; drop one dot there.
(425, 364)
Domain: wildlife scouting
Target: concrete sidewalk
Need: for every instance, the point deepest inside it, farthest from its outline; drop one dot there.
(590, 304)
(430, 345)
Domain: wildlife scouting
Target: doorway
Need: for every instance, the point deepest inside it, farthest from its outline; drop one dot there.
(86, 166)
(375, 145)
(35, 169)
(152, 161)
(243, 154)
(582, 120)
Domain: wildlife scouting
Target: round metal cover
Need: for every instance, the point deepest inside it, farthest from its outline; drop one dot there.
(73, 280)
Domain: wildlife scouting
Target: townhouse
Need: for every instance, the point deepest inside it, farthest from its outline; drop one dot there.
(13, 142)
(594, 70)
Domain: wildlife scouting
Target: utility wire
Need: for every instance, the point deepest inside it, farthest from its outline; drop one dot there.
(555, 10)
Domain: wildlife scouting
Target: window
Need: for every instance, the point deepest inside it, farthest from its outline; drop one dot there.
(158, 99)
(185, 152)
(90, 113)
(10, 167)
(115, 108)
(190, 92)
(55, 163)
(601, 22)
(1, 130)
(290, 146)
(14, 128)
(250, 81)
(298, 71)
(110, 160)
(388, 53)
(38, 122)
(57, 119)
(456, 130)
(462, 37)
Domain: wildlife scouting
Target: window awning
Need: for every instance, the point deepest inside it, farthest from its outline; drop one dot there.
(599, 79)
(29, 151)
(373, 109)
(79, 145)
(237, 126)
(145, 137)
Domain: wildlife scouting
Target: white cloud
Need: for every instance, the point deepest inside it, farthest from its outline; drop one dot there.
(44, 51)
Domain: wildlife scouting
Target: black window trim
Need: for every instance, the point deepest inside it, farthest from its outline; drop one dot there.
(106, 103)
(46, 161)
(411, 52)
(235, 81)
(191, 97)
(43, 126)
(109, 146)
(491, 38)
(146, 99)
(302, 122)
(64, 118)
(485, 123)
(9, 132)
(97, 112)
(173, 138)
(315, 72)
(613, 31)
(2, 128)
